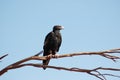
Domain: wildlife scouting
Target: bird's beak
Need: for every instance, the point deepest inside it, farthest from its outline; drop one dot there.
(62, 27)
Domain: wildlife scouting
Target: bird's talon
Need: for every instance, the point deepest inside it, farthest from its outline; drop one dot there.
(55, 56)
(49, 56)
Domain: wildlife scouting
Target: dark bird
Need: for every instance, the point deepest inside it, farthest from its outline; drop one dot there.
(52, 43)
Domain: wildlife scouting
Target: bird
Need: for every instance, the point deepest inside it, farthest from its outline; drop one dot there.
(52, 43)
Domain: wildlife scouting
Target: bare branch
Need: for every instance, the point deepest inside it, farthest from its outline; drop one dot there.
(3, 56)
(94, 72)
(39, 53)
(111, 75)
(106, 54)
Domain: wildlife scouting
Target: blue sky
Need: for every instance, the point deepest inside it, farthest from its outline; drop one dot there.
(89, 25)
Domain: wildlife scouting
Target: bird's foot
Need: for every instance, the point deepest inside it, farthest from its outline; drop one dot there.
(49, 56)
(55, 56)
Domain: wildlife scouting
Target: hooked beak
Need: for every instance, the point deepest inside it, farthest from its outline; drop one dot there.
(62, 27)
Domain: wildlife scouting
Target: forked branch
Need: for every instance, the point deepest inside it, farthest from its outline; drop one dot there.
(94, 72)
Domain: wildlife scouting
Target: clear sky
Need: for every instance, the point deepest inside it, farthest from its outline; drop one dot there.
(89, 25)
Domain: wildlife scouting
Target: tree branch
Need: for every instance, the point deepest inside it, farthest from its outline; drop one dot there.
(94, 72)
(3, 56)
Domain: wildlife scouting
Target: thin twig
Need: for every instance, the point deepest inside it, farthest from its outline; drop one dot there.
(3, 56)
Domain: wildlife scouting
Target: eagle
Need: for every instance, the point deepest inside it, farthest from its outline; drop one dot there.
(52, 43)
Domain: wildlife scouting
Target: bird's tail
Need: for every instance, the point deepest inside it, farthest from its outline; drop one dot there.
(45, 62)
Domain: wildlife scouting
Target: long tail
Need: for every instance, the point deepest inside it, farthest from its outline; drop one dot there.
(45, 62)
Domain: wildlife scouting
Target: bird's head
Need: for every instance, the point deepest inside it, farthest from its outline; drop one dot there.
(57, 27)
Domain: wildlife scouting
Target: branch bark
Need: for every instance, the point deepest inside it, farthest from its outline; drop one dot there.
(94, 72)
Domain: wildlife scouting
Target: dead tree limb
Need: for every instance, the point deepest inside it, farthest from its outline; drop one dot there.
(94, 72)
(3, 56)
